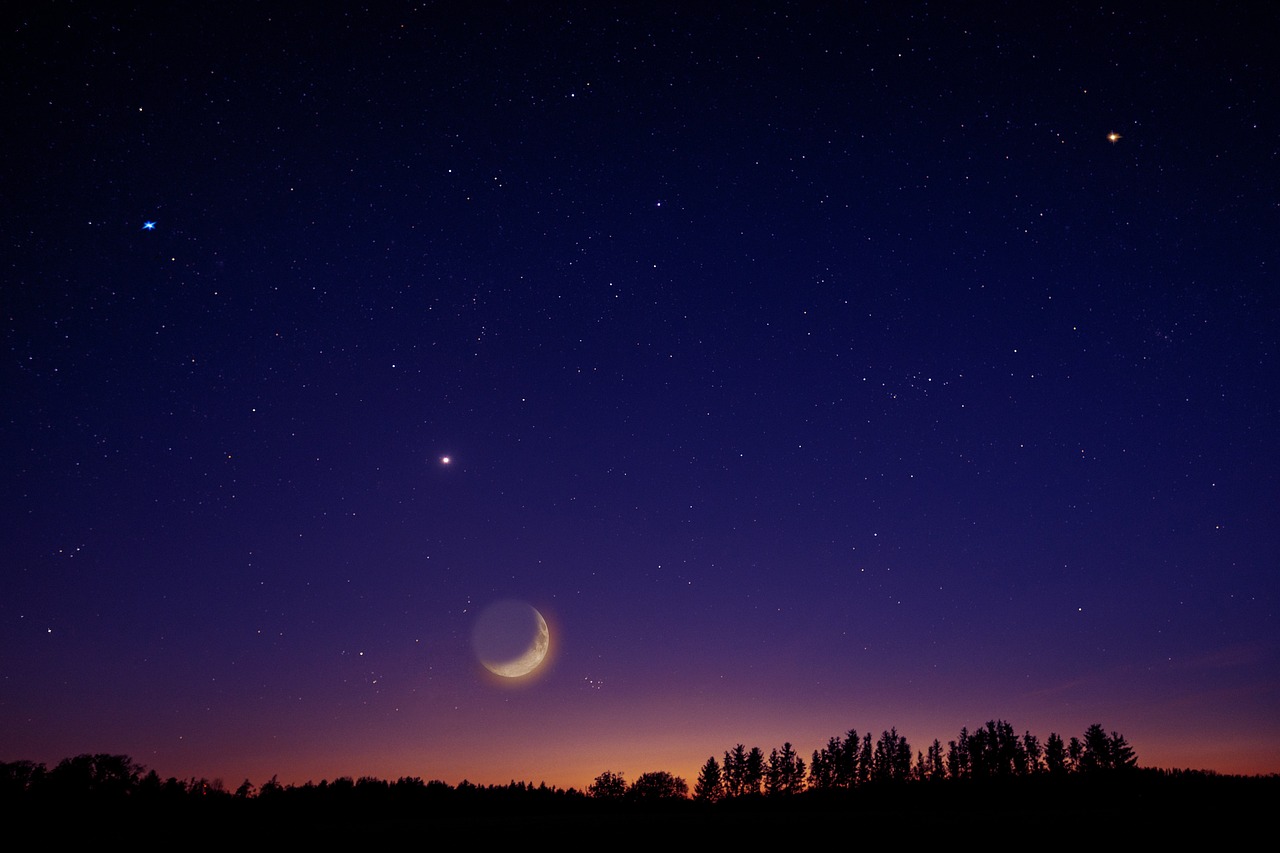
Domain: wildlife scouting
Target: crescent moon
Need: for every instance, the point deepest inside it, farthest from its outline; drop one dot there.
(511, 639)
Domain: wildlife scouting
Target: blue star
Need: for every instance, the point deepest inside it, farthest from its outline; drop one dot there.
(149, 225)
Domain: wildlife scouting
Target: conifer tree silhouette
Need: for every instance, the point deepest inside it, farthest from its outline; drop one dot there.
(710, 786)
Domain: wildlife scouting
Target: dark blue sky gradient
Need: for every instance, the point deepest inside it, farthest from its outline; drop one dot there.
(808, 369)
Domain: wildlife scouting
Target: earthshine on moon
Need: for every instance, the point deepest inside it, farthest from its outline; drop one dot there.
(511, 638)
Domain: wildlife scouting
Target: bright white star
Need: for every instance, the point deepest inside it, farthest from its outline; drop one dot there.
(149, 225)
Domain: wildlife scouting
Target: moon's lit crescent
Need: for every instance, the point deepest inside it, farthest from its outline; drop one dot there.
(511, 638)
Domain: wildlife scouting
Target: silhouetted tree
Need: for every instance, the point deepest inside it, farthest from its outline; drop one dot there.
(786, 771)
(864, 760)
(1034, 755)
(826, 768)
(1096, 750)
(935, 767)
(929, 764)
(847, 766)
(608, 786)
(772, 774)
(821, 769)
(958, 756)
(1103, 752)
(1075, 753)
(753, 772)
(735, 770)
(891, 761)
(1122, 755)
(994, 750)
(97, 775)
(19, 777)
(1055, 755)
(150, 786)
(902, 758)
(710, 786)
(793, 770)
(658, 785)
(979, 754)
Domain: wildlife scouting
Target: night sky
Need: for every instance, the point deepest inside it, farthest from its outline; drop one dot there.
(902, 365)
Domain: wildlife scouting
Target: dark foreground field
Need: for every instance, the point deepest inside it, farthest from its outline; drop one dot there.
(1142, 807)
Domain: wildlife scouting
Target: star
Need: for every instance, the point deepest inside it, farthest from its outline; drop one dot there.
(1113, 137)
(149, 225)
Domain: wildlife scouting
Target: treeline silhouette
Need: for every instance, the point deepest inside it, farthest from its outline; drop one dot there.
(991, 770)
(994, 751)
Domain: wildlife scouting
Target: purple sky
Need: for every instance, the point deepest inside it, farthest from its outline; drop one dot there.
(807, 370)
